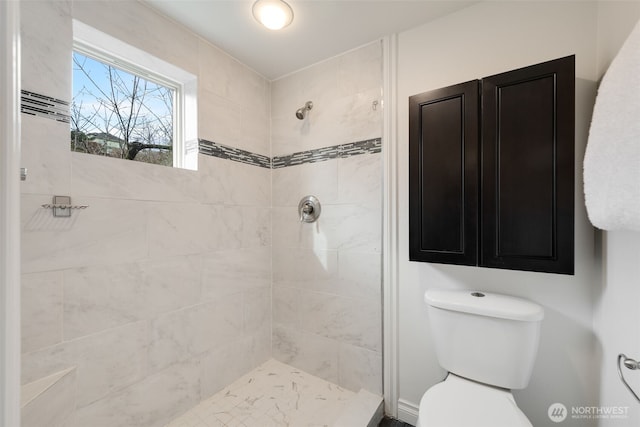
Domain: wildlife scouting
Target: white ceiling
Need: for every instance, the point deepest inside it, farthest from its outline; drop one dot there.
(320, 29)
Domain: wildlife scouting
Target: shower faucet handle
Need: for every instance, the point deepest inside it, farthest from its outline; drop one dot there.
(306, 210)
(309, 209)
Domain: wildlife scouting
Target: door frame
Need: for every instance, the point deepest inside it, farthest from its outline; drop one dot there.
(390, 323)
(10, 213)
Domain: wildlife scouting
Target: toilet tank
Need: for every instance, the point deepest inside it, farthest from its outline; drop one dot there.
(486, 337)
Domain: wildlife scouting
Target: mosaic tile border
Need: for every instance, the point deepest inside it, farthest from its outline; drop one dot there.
(214, 149)
(35, 104)
(369, 146)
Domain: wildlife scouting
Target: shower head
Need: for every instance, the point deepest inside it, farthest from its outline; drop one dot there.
(302, 112)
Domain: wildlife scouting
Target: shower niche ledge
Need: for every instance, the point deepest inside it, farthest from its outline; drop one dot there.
(48, 401)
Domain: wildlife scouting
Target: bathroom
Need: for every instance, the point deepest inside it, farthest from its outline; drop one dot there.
(215, 274)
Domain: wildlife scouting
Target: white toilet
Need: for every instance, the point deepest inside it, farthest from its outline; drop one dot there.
(488, 344)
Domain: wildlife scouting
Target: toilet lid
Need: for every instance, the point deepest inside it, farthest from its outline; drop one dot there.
(458, 402)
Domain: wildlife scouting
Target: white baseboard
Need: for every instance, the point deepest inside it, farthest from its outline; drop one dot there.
(407, 412)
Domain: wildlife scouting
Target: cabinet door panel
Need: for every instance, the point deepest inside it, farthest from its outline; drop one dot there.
(528, 168)
(443, 169)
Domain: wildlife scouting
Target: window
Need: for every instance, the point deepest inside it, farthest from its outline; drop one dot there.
(117, 113)
(129, 104)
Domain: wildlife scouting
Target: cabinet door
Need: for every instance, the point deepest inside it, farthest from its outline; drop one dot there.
(443, 175)
(527, 182)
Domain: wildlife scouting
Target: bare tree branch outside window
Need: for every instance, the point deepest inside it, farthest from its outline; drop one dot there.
(115, 113)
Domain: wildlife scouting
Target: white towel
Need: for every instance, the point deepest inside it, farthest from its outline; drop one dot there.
(612, 159)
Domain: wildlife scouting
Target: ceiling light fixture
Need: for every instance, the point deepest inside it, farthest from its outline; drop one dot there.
(273, 14)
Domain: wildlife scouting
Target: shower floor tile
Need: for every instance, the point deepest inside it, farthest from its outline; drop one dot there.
(273, 394)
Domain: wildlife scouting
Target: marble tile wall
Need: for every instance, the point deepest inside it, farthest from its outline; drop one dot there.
(327, 275)
(159, 293)
(173, 283)
(342, 90)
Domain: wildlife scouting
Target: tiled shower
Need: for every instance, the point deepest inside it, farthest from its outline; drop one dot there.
(174, 283)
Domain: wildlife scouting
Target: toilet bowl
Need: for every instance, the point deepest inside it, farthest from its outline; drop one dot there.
(488, 344)
(459, 402)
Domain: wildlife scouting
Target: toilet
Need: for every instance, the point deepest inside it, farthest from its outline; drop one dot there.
(488, 343)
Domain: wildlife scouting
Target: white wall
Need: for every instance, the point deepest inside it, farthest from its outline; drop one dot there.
(159, 293)
(479, 41)
(617, 310)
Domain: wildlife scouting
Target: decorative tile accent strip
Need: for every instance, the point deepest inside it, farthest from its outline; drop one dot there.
(369, 146)
(210, 148)
(35, 104)
(310, 156)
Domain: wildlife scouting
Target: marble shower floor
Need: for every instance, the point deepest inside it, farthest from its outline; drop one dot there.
(274, 394)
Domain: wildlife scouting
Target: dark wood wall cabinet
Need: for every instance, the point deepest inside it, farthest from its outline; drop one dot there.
(491, 171)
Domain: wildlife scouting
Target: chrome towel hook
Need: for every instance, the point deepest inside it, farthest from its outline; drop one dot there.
(629, 364)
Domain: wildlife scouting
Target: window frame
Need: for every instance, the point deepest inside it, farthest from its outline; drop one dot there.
(102, 47)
